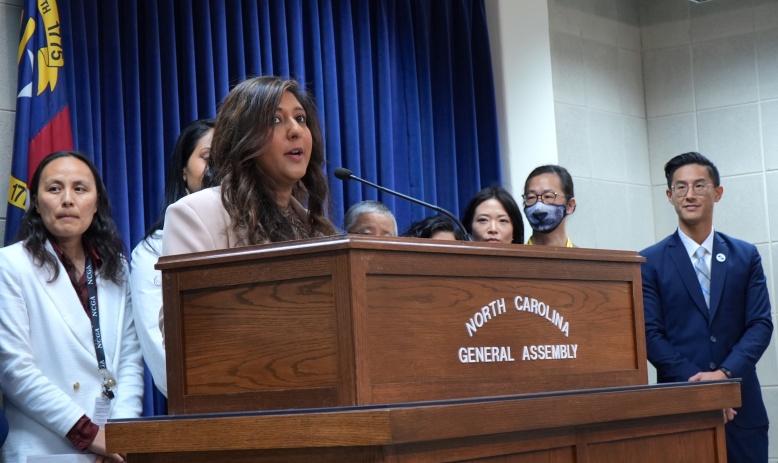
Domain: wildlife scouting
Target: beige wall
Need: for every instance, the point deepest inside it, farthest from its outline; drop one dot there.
(711, 85)
(571, 72)
(601, 120)
(639, 81)
(521, 59)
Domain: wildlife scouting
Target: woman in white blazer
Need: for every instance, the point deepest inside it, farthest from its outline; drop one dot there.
(65, 306)
(185, 176)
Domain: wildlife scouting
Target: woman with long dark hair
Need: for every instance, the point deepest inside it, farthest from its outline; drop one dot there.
(267, 156)
(69, 355)
(185, 175)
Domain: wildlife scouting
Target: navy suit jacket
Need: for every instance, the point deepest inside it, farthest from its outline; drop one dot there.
(683, 338)
(3, 428)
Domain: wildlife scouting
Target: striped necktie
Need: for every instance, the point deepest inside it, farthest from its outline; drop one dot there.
(703, 274)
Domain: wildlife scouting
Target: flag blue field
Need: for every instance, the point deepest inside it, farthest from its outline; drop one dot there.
(42, 114)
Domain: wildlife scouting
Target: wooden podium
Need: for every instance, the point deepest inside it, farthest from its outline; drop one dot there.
(376, 328)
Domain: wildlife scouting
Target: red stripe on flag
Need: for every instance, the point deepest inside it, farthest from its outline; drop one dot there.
(57, 135)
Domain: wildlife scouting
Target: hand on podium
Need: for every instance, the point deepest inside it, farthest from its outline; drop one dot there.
(98, 446)
(709, 376)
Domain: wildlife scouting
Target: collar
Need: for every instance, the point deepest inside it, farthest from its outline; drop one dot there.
(67, 263)
(691, 245)
(568, 243)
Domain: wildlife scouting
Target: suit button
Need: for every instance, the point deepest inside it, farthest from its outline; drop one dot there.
(712, 366)
(76, 386)
(713, 339)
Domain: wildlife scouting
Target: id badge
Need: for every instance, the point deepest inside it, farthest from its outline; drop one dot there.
(102, 411)
(108, 383)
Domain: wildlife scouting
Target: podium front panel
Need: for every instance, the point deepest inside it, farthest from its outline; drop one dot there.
(359, 321)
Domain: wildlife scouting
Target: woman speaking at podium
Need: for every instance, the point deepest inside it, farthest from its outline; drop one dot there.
(266, 156)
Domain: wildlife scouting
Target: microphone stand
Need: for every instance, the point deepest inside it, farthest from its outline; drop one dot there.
(345, 174)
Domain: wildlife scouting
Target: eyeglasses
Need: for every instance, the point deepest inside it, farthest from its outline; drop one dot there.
(682, 189)
(548, 197)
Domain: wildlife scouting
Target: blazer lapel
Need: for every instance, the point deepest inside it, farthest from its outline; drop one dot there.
(718, 272)
(683, 264)
(64, 299)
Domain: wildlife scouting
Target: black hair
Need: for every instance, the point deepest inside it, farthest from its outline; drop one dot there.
(511, 208)
(175, 185)
(685, 159)
(564, 177)
(428, 226)
(101, 235)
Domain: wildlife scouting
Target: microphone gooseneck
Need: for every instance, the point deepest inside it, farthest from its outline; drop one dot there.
(344, 174)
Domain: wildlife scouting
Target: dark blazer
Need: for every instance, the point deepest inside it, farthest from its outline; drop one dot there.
(684, 339)
(3, 428)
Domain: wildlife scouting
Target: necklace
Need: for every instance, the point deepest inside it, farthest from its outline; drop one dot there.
(300, 229)
(289, 211)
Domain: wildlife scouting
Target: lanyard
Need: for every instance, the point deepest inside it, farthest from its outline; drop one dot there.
(94, 314)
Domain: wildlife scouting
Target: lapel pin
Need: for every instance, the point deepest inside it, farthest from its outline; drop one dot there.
(721, 257)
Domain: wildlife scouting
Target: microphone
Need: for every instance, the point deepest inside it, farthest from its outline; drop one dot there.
(344, 174)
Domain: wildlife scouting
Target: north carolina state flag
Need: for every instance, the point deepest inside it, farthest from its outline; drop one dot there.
(42, 116)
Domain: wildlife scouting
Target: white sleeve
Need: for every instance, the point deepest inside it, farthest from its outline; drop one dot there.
(129, 373)
(146, 287)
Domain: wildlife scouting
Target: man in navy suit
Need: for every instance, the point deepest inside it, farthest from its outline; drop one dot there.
(707, 311)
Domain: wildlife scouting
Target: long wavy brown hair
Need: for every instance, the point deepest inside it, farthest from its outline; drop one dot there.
(243, 131)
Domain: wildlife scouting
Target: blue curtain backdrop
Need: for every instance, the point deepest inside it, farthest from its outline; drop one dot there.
(404, 88)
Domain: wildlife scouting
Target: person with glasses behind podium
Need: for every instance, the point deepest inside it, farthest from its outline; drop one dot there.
(548, 200)
(492, 215)
(707, 310)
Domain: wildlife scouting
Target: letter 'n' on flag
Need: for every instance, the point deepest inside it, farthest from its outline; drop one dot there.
(42, 115)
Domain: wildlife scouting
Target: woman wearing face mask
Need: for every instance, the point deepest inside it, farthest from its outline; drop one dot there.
(548, 200)
(188, 165)
(492, 215)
